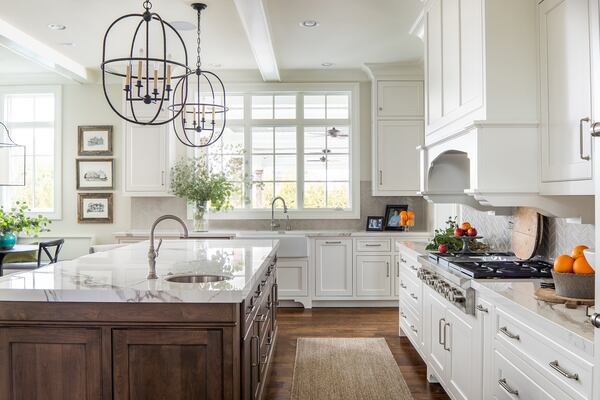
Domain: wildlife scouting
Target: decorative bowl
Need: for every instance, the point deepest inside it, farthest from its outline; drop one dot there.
(590, 256)
(577, 286)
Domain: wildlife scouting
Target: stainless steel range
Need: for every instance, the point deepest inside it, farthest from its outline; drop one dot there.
(450, 274)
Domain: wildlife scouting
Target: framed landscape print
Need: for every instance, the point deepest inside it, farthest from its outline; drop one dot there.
(95, 208)
(95, 140)
(95, 174)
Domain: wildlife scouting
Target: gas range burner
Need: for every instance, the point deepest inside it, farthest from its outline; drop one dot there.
(504, 269)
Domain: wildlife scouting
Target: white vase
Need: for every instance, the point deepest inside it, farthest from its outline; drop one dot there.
(201, 217)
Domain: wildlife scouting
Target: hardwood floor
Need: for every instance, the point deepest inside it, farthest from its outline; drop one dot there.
(346, 322)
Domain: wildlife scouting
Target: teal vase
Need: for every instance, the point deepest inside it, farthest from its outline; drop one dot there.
(7, 241)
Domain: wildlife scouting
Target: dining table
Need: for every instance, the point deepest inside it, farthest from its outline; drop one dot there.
(17, 249)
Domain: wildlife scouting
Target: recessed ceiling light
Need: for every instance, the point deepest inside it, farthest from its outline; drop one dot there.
(57, 27)
(67, 44)
(183, 25)
(327, 64)
(309, 23)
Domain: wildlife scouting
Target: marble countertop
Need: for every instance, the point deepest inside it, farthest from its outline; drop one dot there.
(415, 247)
(251, 233)
(521, 293)
(119, 275)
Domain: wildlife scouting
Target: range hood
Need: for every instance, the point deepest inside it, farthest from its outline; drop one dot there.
(491, 168)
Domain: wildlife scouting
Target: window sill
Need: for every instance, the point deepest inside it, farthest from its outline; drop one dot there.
(294, 214)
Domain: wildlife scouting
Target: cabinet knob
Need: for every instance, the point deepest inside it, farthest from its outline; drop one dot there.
(380, 108)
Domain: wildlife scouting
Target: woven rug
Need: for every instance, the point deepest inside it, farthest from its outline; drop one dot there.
(347, 369)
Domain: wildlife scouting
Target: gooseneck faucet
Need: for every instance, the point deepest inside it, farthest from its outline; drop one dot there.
(274, 224)
(153, 252)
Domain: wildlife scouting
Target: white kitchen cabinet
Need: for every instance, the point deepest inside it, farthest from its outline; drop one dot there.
(373, 275)
(399, 99)
(292, 278)
(434, 312)
(566, 96)
(146, 166)
(397, 157)
(485, 310)
(333, 267)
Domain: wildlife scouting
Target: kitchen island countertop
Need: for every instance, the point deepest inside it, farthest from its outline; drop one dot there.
(119, 275)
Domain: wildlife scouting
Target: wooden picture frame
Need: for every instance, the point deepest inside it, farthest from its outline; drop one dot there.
(95, 140)
(390, 212)
(95, 174)
(374, 224)
(94, 208)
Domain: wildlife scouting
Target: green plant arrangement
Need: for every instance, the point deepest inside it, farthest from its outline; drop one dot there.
(193, 180)
(14, 221)
(446, 236)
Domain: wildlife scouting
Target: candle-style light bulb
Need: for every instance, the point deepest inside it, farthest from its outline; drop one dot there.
(213, 115)
(127, 76)
(202, 112)
(140, 65)
(155, 77)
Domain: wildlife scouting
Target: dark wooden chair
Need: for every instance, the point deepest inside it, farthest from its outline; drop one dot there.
(50, 248)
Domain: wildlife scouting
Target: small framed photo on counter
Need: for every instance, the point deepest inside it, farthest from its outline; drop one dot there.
(95, 208)
(95, 140)
(375, 224)
(95, 174)
(393, 217)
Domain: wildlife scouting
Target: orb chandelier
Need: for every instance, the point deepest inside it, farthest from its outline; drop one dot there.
(10, 158)
(201, 120)
(148, 71)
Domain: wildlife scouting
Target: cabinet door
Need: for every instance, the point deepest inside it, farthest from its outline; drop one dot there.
(397, 275)
(463, 343)
(292, 276)
(50, 363)
(373, 276)
(397, 156)
(437, 353)
(433, 62)
(399, 99)
(333, 267)
(565, 89)
(169, 364)
(484, 310)
(145, 159)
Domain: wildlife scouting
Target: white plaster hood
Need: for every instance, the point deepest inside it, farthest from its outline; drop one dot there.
(492, 168)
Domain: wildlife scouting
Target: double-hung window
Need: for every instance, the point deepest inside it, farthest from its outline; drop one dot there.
(32, 115)
(299, 142)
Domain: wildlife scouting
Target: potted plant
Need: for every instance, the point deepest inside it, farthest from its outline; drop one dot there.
(15, 221)
(192, 179)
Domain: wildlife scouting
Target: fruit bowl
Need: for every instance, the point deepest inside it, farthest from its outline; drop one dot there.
(590, 256)
(578, 286)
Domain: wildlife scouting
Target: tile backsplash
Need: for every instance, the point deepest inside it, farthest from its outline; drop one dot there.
(559, 235)
(145, 210)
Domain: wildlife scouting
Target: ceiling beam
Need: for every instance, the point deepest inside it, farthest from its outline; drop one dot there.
(32, 49)
(256, 24)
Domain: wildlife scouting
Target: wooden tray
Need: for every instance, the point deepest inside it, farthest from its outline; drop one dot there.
(550, 296)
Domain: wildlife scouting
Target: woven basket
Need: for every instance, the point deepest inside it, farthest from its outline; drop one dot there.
(578, 286)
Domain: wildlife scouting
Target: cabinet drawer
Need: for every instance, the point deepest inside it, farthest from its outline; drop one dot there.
(410, 323)
(568, 371)
(410, 291)
(383, 245)
(511, 382)
(409, 265)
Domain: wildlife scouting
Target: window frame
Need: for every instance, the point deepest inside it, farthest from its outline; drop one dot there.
(248, 90)
(56, 90)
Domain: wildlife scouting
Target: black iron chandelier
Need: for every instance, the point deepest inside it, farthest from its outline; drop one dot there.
(199, 121)
(9, 153)
(148, 72)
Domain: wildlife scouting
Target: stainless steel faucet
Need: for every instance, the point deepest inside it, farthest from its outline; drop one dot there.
(275, 225)
(153, 252)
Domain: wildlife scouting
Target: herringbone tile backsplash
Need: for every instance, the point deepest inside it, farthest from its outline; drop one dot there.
(559, 235)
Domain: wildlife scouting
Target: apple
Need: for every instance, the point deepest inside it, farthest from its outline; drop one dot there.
(458, 232)
(443, 248)
(472, 232)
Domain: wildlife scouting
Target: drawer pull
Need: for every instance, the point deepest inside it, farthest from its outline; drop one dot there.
(387, 275)
(504, 385)
(414, 268)
(261, 318)
(402, 285)
(333, 242)
(446, 324)
(508, 333)
(414, 296)
(482, 308)
(402, 314)
(412, 328)
(555, 366)
(373, 245)
(254, 349)
(402, 260)
(440, 331)
(398, 269)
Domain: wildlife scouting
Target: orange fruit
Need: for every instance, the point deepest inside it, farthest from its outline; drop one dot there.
(403, 214)
(465, 226)
(410, 222)
(578, 251)
(411, 214)
(564, 264)
(581, 266)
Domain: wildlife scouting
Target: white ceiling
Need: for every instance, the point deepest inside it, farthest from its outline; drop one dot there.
(350, 32)
(12, 63)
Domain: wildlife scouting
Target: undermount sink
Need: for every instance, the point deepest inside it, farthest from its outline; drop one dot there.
(291, 244)
(197, 278)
